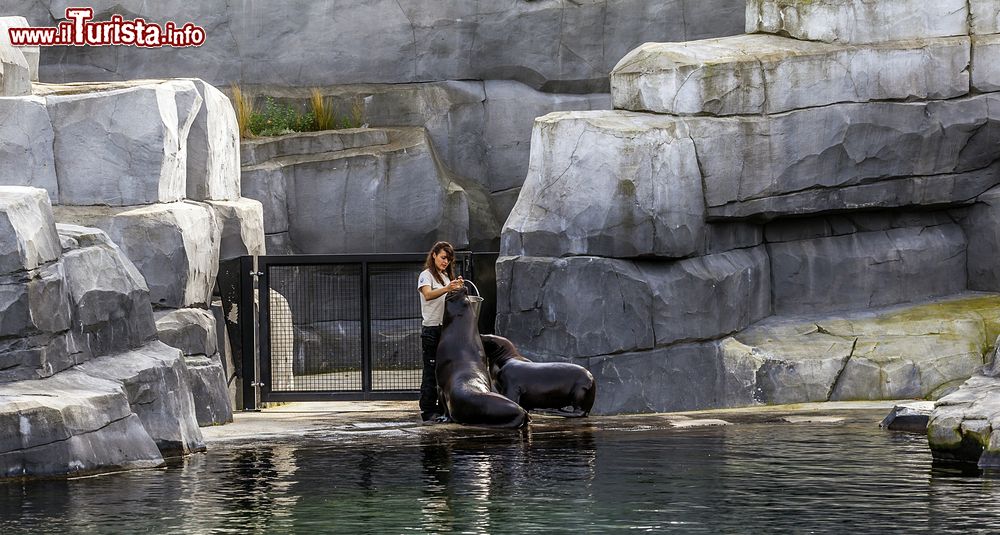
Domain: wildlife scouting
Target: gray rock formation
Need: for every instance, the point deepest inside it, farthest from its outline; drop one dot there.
(193, 331)
(27, 231)
(860, 21)
(867, 269)
(213, 148)
(643, 168)
(242, 227)
(145, 160)
(395, 196)
(26, 145)
(982, 227)
(84, 386)
(573, 45)
(30, 53)
(751, 74)
(15, 74)
(587, 306)
(174, 245)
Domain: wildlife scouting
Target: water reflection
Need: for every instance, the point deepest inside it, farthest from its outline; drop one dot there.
(738, 479)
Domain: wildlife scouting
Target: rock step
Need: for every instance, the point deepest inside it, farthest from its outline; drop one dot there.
(626, 184)
(259, 150)
(916, 351)
(122, 411)
(753, 74)
(872, 21)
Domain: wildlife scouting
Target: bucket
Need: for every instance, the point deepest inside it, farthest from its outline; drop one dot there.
(475, 300)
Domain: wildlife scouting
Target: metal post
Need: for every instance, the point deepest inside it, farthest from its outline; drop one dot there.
(247, 333)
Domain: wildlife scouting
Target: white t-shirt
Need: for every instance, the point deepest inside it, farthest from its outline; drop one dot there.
(433, 310)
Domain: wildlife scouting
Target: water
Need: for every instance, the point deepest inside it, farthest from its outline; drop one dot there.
(573, 478)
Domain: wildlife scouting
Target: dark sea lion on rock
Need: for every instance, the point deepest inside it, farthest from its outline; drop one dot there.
(462, 376)
(560, 388)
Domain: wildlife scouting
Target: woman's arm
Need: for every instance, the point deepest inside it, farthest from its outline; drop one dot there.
(430, 295)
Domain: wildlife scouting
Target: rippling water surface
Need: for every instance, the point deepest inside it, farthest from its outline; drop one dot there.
(753, 478)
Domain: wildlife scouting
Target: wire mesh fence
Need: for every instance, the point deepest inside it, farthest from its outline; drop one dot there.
(341, 323)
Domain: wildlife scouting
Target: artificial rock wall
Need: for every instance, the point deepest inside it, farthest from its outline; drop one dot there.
(119, 201)
(474, 74)
(734, 231)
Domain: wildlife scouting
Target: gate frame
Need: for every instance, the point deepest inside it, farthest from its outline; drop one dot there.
(257, 335)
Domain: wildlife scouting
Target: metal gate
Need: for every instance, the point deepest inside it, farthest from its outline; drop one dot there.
(339, 327)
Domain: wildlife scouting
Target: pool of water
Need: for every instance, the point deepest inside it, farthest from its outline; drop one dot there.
(766, 477)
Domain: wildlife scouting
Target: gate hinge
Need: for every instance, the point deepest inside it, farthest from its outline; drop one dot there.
(257, 384)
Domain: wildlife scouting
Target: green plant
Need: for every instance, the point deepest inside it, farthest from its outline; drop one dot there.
(276, 119)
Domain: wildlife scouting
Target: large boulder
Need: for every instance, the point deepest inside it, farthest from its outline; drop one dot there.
(609, 184)
(26, 138)
(921, 351)
(109, 297)
(192, 330)
(755, 157)
(859, 21)
(28, 236)
(122, 146)
(174, 245)
(70, 424)
(242, 227)
(587, 306)
(154, 378)
(753, 74)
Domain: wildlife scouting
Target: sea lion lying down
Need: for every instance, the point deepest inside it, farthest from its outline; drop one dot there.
(565, 389)
(462, 376)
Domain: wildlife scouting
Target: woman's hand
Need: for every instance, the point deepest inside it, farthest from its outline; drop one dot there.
(455, 284)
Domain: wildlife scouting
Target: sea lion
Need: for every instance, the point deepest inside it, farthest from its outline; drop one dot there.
(559, 388)
(462, 376)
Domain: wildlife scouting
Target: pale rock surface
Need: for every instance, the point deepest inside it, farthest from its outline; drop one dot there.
(15, 73)
(210, 394)
(213, 148)
(858, 21)
(986, 63)
(26, 138)
(920, 351)
(984, 16)
(122, 146)
(760, 73)
(71, 423)
(572, 47)
(612, 184)
(154, 378)
(28, 236)
(31, 53)
(192, 330)
(174, 245)
(242, 227)
(391, 197)
(109, 297)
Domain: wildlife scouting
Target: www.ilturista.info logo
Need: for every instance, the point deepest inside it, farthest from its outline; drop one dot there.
(79, 30)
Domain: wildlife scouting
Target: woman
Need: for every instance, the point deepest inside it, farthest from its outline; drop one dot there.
(435, 281)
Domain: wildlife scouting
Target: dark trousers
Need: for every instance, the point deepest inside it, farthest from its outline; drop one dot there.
(429, 404)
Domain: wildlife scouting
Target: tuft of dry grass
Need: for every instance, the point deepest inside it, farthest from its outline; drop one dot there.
(243, 103)
(323, 113)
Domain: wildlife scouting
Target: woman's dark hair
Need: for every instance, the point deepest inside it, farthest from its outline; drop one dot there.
(429, 263)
